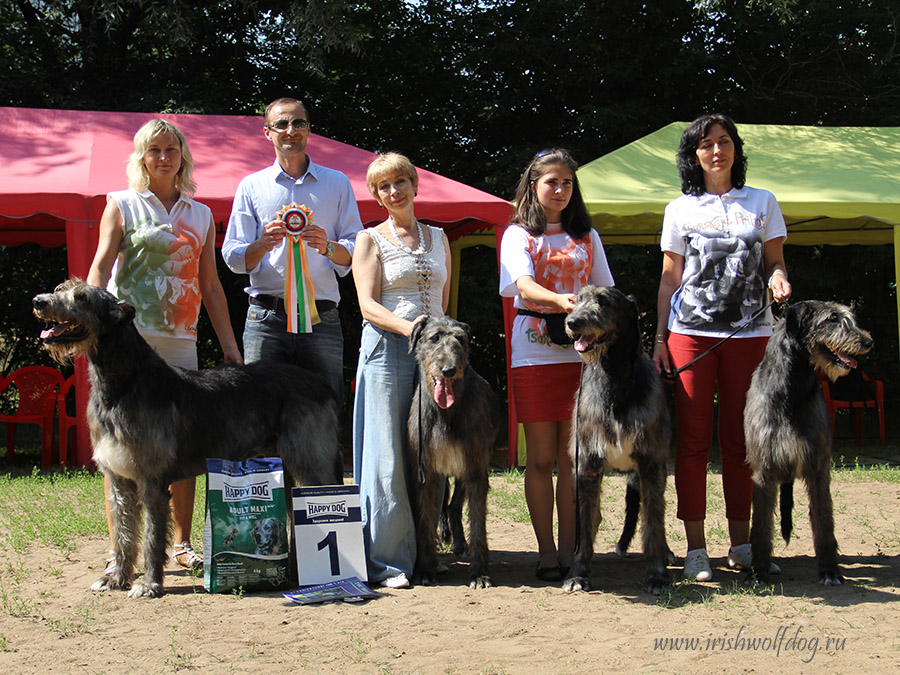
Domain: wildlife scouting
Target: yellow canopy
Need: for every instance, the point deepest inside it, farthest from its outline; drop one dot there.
(838, 185)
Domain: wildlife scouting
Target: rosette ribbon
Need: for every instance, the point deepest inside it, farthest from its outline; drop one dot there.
(299, 292)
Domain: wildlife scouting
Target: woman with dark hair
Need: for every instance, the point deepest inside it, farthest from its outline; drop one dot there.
(546, 256)
(723, 245)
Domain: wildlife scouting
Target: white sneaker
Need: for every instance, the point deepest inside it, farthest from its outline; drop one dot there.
(696, 565)
(742, 556)
(396, 581)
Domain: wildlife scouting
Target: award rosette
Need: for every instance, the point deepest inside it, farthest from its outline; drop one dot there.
(299, 293)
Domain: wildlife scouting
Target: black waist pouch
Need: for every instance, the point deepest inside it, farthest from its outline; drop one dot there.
(556, 325)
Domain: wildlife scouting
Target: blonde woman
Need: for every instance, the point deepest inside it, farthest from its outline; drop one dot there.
(401, 268)
(157, 252)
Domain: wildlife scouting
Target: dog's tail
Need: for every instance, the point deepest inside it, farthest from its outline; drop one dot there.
(787, 507)
(632, 511)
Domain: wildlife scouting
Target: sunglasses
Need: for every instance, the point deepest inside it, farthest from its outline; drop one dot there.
(298, 124)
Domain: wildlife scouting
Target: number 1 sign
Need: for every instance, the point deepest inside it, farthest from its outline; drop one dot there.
(328, 532)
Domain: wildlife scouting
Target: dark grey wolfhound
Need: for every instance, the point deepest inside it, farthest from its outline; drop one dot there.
(453, 421)
(621, 422)
(152, 424)
(787, 430)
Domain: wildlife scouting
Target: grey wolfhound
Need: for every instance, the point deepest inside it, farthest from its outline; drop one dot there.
(787, 430)
(152, 424)
(621, 423)
(453, 421)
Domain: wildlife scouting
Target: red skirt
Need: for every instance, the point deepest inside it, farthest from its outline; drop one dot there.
(545, 393)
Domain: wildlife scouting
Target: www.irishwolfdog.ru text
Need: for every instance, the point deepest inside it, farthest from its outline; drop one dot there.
(786, 640)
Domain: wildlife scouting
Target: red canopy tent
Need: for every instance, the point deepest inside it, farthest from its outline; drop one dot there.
(58, 166)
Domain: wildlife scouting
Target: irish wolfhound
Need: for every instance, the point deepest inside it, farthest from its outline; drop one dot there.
(787, 430)
(621, 422)
(152, 424)
(453, 421)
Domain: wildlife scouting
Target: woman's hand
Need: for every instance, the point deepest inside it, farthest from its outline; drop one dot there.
(779, 285)
(532, 291)
(233, 355)
(661, 359)
(566, 302)
(412, 324)
(773, 259)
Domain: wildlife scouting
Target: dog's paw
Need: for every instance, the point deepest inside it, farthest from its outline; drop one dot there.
(483, 581)
(831, 578)
(427, 579)
(145, 590)
(573, 584)
(103, 584)
(656, 584)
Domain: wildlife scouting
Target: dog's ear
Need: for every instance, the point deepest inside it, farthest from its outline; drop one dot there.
(466, 327)
(796, 317)
(632, 301)
(123, 313)
(416, 333)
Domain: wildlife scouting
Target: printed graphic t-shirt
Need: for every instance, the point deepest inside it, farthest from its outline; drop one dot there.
(158, 265)
(559, 263)
(721, 238)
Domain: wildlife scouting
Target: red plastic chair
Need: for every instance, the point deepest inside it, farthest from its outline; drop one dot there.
(856, 392)
(66, 421)
(37, 387)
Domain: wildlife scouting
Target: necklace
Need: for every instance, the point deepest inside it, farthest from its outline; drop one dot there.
(420, 249)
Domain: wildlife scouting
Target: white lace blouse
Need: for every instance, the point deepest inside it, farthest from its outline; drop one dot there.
(411, 284)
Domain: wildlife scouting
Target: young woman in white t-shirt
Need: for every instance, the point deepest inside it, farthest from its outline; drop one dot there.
(546, 256)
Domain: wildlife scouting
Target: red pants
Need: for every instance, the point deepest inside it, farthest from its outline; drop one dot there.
(727, 370)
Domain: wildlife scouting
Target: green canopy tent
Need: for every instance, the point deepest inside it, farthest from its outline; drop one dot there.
(836, 185)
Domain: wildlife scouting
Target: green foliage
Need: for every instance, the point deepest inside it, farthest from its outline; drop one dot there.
(25, 271)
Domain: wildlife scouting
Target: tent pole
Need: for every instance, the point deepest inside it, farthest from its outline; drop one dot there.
(897, 270)
(81, 241)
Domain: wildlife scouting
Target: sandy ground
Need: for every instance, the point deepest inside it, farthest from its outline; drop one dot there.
(51, 622)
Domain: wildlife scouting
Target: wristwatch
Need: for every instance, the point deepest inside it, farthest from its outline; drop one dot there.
(329, 250)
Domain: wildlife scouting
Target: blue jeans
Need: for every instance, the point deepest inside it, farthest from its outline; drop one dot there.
(266, 338)
(385, 379)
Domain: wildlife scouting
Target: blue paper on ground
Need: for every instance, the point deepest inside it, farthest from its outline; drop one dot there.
(333, 590)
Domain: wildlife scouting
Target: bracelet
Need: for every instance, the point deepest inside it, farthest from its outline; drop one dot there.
(660, 342)
(772, 276)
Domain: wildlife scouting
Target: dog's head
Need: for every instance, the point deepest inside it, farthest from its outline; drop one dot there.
(602, 316)
(77, 315)
(829, 332)
(441, 346)
(267, 534)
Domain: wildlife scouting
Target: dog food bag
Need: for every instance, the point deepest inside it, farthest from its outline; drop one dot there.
(245, 542)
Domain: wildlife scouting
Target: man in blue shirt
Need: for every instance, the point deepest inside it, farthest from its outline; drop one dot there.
(255, 244)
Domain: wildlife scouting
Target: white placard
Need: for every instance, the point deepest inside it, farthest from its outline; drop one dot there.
(328, 532)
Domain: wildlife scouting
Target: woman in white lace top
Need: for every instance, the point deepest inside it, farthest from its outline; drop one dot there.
(401, 268)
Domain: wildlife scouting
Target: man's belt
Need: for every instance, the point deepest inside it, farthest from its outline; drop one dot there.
(277, 304)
